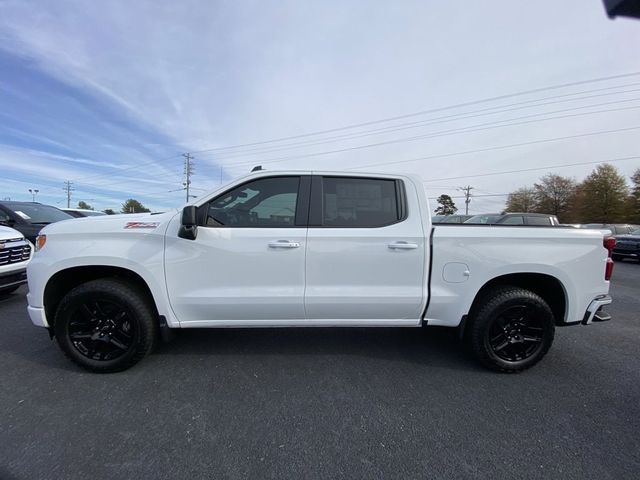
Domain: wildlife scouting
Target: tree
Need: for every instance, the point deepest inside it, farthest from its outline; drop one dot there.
(109, 211)
(133, 206)
(555, 195)
(522, 200)
(84, 205)
(447, 207)
(603, 196)
(634, 198)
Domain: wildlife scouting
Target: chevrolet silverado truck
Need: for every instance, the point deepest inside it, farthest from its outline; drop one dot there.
(312, 249)
(15, 253)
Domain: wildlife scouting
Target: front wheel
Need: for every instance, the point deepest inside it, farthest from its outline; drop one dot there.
(511, 330)
(106, 325)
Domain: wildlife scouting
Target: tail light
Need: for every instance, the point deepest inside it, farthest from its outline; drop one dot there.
(609, 243)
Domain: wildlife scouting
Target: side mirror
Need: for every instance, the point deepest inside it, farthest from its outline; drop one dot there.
(189, 223)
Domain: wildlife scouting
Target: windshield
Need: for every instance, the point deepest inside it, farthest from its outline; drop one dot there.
(38, 213)
(483, 219)
(636, 232)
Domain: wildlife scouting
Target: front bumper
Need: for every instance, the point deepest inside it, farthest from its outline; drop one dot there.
(627, 253)
(11, 279)
(37, 316)
(594, 312)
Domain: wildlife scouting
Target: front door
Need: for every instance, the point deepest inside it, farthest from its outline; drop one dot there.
(248, 259)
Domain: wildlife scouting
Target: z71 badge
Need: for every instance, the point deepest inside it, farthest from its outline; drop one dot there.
(141, 225)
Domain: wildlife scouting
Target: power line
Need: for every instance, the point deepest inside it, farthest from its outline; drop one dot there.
(436, 120)
(499, 147)
(474, 128)
(416, 124)
(423, 112)
(611, 160)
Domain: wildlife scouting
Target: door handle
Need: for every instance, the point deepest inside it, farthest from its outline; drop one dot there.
(283, 244)
(403, 246)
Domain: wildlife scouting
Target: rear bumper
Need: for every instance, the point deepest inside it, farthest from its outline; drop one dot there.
(11, 279)
(594, 312)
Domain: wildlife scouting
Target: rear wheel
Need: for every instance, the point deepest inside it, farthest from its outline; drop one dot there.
(511, 330)
(106, 325)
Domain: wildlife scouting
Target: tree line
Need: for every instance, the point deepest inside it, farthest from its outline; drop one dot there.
(602, 197)
(130, 206)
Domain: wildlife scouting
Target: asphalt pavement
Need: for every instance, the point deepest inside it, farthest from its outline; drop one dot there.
(325, 403)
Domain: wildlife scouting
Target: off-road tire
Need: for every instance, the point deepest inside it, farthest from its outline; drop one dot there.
(138, 310)
(488, 318)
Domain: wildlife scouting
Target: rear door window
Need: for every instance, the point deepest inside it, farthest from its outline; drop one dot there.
(360, 202)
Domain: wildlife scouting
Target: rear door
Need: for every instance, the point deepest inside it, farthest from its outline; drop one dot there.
(365, 250)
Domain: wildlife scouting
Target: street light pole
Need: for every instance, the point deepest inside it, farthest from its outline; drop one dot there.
(33, 193)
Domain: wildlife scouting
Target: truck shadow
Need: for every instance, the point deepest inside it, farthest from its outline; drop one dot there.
(433, 346)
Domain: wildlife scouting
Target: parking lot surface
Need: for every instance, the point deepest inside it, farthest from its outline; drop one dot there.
(325, 403)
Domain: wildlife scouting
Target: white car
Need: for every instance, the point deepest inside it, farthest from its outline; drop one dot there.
(305, 249)
(15, 253)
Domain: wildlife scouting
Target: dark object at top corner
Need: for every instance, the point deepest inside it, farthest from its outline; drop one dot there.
(622, 8)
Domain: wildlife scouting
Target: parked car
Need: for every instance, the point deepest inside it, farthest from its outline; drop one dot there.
(15, 253)
(82, 212)
(29, 217)
(531, 219)
(293, 249)
(614, 228)
(450, 218)
(627, 246)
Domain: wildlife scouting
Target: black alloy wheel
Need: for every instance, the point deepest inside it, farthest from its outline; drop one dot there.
(106, 325)
(516, 334)
(510, 329)
(102, 330)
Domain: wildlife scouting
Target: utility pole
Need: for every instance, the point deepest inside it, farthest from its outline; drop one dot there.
(188, 171)
(68, 188)
(467, 197)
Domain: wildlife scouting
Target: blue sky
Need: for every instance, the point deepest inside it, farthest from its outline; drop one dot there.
(109, 94)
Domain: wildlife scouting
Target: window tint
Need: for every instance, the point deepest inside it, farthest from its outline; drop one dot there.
(517, 220)
(538, 221)
(359, 202)
(267, 202)
(4, 217)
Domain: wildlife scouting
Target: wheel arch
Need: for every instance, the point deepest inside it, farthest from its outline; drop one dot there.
(548, 287)
(67, 279)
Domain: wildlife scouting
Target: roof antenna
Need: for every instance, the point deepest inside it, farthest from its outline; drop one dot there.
(257, 168)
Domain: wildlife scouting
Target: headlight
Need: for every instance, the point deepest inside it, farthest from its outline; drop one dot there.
(40, 242)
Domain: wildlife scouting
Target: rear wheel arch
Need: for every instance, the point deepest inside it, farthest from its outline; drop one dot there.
(548, 287)
(64, 281)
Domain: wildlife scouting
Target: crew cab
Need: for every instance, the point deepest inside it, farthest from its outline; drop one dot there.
(310, 249)
(15, 253)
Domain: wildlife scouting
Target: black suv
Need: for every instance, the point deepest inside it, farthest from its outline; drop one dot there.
(29, 217)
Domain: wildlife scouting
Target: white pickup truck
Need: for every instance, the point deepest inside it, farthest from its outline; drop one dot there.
(303, 249)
